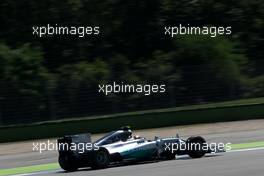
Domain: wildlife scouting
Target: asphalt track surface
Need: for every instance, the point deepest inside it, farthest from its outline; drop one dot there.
(240, 163)
(243, 163)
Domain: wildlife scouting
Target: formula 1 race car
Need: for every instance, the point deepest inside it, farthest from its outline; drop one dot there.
(120, 146)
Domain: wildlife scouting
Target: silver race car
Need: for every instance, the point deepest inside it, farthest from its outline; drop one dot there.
(120, 146)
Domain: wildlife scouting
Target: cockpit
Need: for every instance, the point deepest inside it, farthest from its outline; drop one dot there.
(123, 134)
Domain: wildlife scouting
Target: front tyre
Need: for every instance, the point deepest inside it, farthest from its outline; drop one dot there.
(101, 159)
(196, 147)
(67, 163)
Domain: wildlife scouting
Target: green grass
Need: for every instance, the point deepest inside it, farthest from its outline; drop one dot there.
(247, 145)
(30, 169)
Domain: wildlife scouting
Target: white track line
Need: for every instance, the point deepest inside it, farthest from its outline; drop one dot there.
(41, 172)
(244, 150)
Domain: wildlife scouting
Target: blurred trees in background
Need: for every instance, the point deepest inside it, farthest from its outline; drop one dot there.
(58, 76)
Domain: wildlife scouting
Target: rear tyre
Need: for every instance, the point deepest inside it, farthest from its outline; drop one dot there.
(67, 163)
(101, 159)
(196, 147)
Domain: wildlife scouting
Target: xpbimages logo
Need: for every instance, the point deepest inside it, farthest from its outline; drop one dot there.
(79, 31)
(54, 146)
(212, 31)
(212, 147)
(145, 89)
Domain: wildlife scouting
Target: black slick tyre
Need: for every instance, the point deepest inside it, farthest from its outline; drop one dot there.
(196, 147)
(101, 159)
(67, 163)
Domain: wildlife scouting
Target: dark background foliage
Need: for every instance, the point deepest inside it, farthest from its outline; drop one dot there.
(58, 76)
